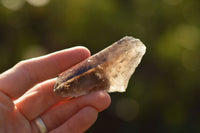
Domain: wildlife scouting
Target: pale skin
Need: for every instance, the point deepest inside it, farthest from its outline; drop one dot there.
(26, 93)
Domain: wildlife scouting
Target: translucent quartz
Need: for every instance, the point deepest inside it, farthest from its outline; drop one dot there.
(108, 70)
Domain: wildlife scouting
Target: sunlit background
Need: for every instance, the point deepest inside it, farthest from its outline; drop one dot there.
(163, 95)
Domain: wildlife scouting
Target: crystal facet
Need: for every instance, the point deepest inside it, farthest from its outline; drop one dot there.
(108, 70)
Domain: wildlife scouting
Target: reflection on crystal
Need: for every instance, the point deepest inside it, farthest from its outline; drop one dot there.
(108, 70)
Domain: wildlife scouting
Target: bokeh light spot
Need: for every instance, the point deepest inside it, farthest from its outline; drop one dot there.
(12, 4)
(38, 3)
(127, 109)
(175, 114)
(172, 2)
(187, 36)
(191, 60)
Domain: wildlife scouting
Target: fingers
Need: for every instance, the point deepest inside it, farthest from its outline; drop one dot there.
(27, 73)
(38, 99)
(75, 115)
(57, 115)
(78, 123)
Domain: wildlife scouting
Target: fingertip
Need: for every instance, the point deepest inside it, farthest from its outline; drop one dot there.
(83, 51)
(91, 111)
(87, 116)
(102, 100)
(69, 57)
(105, 99)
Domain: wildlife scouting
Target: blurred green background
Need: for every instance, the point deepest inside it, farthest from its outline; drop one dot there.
(163, 95)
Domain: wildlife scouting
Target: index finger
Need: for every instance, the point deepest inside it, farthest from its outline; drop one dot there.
(16, 81)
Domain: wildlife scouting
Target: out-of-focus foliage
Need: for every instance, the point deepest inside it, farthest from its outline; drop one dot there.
(164, 93)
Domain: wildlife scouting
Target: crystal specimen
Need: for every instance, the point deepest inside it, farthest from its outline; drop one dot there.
(108, 70)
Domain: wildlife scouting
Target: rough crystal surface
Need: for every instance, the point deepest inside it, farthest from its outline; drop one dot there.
(108, 70)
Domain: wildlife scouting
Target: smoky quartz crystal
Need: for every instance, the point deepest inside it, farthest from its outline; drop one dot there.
(108, 70)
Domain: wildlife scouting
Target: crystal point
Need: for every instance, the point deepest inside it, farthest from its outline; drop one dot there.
(108, 70)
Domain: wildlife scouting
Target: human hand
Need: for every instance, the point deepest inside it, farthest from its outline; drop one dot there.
(26, 93)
